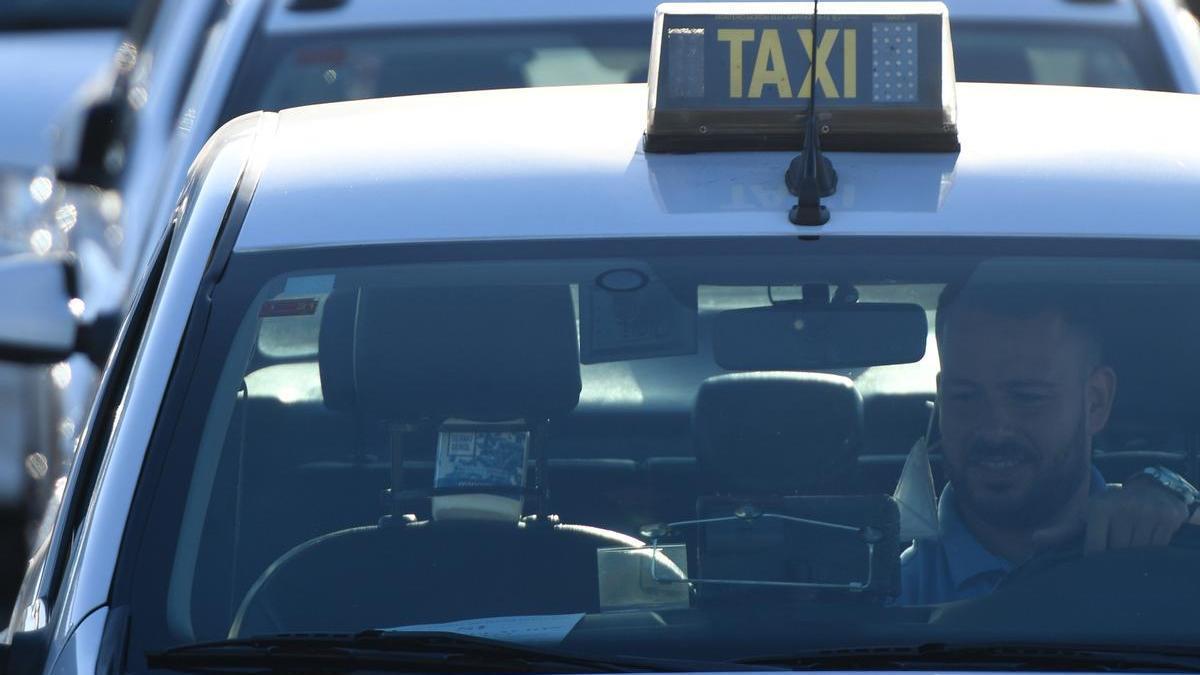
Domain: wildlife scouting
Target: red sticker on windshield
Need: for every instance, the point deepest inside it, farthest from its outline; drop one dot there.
(289, 307)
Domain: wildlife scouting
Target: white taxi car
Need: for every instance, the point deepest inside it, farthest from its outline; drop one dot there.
(200, 64)
(629, 377)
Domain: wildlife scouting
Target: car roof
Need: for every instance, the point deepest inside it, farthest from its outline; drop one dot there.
(368, 14)
(567, 162)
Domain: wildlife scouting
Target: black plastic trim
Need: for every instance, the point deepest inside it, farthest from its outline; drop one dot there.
(33, 356)
(831, 142)
(314, 5)
(101, 132)
(95, 340)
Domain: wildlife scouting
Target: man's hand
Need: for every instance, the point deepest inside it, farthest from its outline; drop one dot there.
(1140, 513)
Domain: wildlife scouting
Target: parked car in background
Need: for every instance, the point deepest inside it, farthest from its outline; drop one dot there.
(49, 49)
(361, 49)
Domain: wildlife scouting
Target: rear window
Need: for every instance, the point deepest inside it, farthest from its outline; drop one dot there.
(65, 14)
(288, 71)
(1070, 55)
(293, 70)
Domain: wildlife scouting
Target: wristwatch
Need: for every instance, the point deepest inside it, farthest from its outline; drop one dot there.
(1177, 484)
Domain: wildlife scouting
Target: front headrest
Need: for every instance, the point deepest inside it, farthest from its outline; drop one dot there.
(777, 432)
(476, 353)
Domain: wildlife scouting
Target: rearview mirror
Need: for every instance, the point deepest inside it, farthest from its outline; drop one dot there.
(812, 336)
(41, 323)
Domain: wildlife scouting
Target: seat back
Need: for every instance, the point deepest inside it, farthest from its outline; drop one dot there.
(414, 355)
(414, 72)
(784, 446)
(782, 433)
(380, 577)
(419, 357)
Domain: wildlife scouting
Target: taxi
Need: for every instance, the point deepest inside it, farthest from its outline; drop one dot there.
(679, 376)
(192, 66)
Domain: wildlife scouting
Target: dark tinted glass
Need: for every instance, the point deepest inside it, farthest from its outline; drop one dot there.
(298, 70)
(58, 14)
(1095, 56)
(403, 436)
(294, 70)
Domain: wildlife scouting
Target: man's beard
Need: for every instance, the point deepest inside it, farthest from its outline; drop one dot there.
(1053, 485)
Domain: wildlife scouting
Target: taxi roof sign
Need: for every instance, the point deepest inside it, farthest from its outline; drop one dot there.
(737, 76)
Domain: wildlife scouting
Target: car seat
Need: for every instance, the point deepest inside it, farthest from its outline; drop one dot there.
(413, 358)
(774, 446)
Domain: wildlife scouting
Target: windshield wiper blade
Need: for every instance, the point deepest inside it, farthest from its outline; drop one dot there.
(992, 656)
(403, 651)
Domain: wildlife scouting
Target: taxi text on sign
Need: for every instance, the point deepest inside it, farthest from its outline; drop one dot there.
(738, 61)
(771, 67)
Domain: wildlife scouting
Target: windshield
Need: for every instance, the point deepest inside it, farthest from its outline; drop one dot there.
(689, 448)
(293, 70)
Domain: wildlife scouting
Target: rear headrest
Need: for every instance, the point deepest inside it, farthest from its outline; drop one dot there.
(486, 353)
(777, 432)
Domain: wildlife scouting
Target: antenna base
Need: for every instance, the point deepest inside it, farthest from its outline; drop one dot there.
(826, 178)
(808, 215)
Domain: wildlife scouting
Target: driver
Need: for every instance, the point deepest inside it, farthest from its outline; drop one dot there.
(1022, 393)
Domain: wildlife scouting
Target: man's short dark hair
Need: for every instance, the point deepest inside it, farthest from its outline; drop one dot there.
(1022, 301)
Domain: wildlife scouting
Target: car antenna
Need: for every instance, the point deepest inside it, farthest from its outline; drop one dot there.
(811, 175)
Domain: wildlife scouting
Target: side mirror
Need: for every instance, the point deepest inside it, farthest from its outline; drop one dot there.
(92, 153)
(27, 653)
(40, 323)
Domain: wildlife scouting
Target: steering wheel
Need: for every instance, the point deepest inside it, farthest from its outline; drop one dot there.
(1119, 593)
(1187, 538)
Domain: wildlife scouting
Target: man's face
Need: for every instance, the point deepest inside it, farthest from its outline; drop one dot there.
(1019, 404)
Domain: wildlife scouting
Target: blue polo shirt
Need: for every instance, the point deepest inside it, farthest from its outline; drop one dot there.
(955, 566)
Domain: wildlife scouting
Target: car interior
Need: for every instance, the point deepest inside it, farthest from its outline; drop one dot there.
(332, 476)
